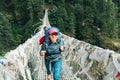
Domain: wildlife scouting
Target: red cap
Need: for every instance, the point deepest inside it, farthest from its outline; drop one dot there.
(53, 30)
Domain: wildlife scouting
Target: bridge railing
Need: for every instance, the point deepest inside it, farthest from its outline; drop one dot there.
(89, 61)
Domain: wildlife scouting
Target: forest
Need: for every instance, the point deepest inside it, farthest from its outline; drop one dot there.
(94, 21)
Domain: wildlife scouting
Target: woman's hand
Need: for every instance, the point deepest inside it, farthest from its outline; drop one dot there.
(42, 53)
(61, 48)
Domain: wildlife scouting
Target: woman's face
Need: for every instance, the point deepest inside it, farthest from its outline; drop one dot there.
(53, 37)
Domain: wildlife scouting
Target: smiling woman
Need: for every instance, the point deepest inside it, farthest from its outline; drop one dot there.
(53, 38)
(52, 52)
(53, 35)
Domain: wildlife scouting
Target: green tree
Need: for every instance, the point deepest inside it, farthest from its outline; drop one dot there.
(93, 21)
(117, 2)
(6, 37)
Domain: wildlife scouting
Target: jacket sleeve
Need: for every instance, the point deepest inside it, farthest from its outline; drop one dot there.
(43, 47)
(62, 44)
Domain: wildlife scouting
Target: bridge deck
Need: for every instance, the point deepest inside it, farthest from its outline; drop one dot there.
(66, 73)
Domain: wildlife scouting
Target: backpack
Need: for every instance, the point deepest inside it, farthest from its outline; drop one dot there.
(42, 39)
(46, 39)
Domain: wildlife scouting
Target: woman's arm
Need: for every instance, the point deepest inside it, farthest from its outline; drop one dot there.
(43, 50)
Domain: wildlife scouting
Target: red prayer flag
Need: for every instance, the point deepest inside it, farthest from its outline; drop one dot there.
(118, 75)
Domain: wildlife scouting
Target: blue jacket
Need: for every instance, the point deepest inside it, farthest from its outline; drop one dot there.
(52, 50)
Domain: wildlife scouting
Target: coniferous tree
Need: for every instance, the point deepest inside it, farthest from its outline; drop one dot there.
(106, 16)
(117, 2)
(6, 37)
(93, 21)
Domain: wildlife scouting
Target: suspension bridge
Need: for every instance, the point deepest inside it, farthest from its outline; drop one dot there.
(81, 60)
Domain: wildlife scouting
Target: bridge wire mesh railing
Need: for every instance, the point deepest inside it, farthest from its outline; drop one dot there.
(82, 61)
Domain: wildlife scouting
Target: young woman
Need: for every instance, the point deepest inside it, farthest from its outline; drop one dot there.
(52, 52)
